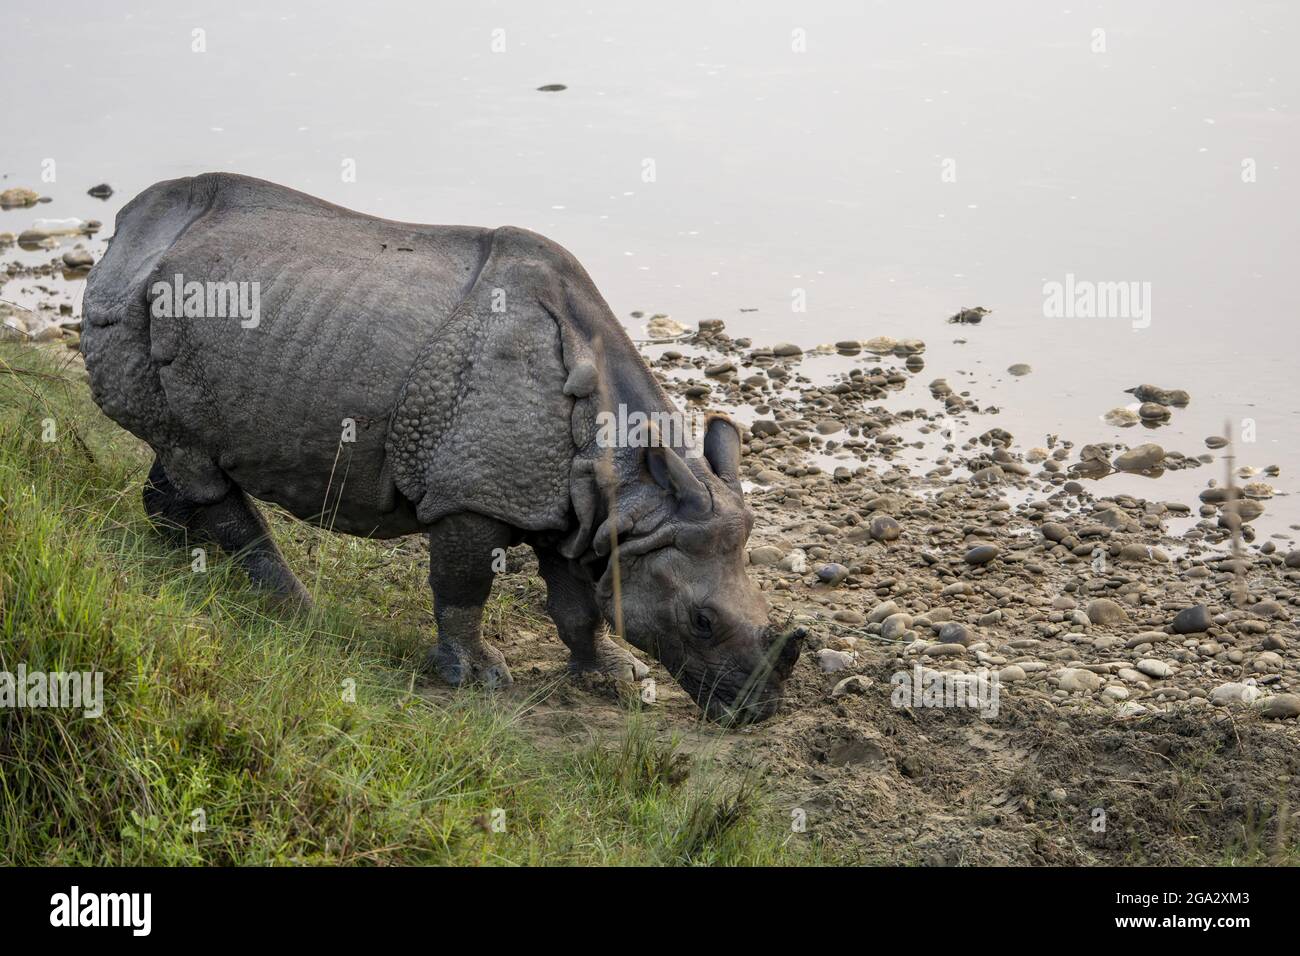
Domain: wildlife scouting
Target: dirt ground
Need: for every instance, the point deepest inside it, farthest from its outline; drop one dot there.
(875, 783)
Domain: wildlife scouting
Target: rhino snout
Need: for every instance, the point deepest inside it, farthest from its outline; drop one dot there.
(787, 647)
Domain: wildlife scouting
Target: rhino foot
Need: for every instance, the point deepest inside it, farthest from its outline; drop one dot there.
(459, 665)
(608, 658)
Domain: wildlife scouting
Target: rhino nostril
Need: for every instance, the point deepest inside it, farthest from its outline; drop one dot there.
(789, 646)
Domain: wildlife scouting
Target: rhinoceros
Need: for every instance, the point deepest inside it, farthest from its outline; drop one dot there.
(385, 378)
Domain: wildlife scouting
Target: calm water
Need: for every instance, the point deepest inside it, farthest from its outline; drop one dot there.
(911, 159)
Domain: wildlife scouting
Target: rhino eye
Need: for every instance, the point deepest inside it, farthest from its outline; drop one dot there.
(703, 624)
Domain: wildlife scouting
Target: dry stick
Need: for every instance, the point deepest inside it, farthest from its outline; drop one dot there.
(325, 510)
(598, 345)
(1234, 522)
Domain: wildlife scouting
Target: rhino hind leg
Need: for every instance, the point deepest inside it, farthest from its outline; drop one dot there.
(234, 523)
(175, 518)
(571, 603)
(462, 550)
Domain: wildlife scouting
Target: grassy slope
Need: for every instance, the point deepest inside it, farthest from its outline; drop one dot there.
(214, 702)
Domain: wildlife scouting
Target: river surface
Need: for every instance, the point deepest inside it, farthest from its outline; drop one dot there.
(807, 172)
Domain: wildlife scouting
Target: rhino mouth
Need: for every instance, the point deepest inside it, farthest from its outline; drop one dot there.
(732, 695)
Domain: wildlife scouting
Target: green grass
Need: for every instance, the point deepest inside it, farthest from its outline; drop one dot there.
(216, 703)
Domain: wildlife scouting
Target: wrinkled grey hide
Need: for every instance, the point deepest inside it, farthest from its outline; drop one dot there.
(472, 364)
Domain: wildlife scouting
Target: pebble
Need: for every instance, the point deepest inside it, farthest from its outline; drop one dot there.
(796, 561)
(1148, 637)
(1076, 679)
(1104, 611)
(1192, 620)
(855, 684)
(954, 633)
(894, 626)
(1153, 667)
(833, 574)
(945, 650)
(882, 611)
(885, 528)
(981, 554)
(831, 661)
(1235, 692)
(1280, 706)
(1053, 531)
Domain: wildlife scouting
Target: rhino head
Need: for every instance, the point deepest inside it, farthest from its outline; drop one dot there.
(684, 595)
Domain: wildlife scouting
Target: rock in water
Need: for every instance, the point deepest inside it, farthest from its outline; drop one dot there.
(970, 316)
(1161, 396)
(18, 198)
(1142, 458)
(664, 327)
(1153, 412)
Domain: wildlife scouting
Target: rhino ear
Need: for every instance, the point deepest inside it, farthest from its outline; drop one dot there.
(671, 473)
(722, 449)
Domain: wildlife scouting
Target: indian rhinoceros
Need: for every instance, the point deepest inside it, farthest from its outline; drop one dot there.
(385, 378)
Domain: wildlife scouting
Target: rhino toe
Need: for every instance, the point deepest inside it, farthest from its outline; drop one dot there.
(459, 665)
(610, 659)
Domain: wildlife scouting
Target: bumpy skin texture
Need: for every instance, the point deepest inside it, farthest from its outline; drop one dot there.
(472, 364)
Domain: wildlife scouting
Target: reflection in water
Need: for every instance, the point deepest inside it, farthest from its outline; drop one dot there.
(901, 162)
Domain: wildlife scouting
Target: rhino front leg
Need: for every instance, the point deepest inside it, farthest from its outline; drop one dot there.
(571, 603)
(462, 550)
